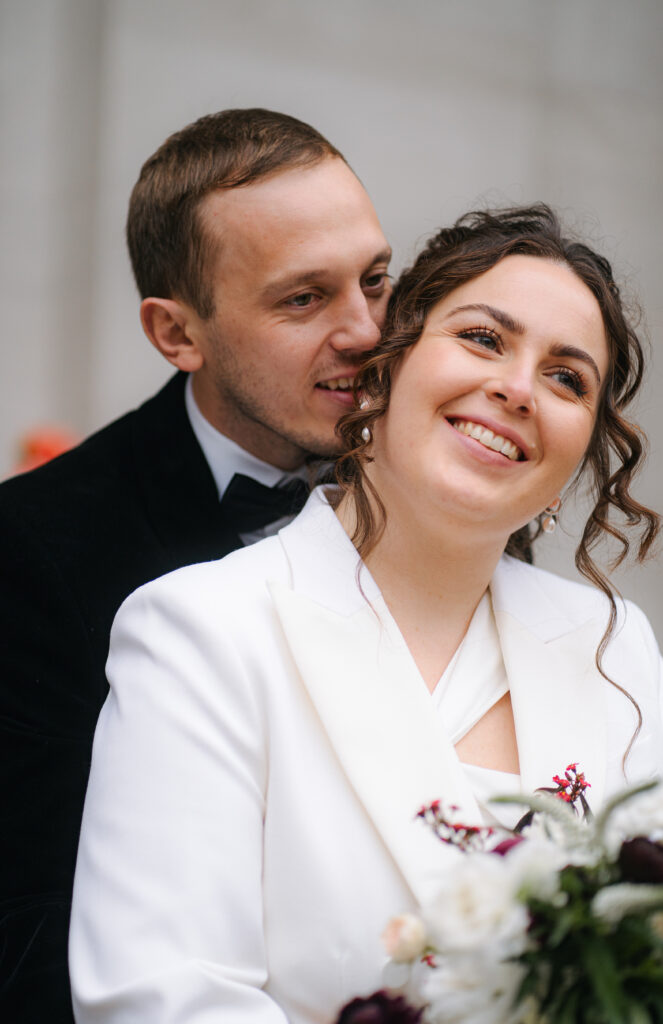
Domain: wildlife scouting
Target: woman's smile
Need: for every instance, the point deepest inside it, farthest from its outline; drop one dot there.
(493, 438)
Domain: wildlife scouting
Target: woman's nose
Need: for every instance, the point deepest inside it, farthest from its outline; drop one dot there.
(514, 390)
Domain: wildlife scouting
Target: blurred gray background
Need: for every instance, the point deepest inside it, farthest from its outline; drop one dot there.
(439, 105)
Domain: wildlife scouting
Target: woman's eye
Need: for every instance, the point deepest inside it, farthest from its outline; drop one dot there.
(487, 339)
(570, 379)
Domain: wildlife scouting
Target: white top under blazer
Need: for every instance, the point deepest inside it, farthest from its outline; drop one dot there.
(249, 823)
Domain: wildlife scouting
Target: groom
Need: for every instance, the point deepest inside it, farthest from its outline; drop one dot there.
(262, 270)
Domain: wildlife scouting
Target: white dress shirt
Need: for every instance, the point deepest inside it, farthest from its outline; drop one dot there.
(225, 458)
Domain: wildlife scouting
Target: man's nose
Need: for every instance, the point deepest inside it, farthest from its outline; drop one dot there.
(356, 329)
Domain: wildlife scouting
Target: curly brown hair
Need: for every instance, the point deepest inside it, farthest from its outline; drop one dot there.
(455, 255)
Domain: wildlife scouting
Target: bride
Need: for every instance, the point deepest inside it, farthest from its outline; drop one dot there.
(276, 719)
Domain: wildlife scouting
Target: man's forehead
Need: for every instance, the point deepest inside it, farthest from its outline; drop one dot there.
(282, 182)
(295, 228)
(292, 195)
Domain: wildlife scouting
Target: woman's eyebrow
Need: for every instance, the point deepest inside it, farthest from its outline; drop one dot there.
(502, 318)
(516, 327)
(571, 352)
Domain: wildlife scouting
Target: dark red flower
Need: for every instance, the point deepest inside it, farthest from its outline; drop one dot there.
(641, 860)
(507, 844)
(380, 1008)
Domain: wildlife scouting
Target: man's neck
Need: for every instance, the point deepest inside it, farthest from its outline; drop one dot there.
(225, 457)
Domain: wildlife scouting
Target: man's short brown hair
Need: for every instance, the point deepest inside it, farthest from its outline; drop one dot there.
(169, 248)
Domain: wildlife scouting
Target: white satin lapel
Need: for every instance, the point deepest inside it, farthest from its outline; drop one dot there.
(558, 695)
(381, 723)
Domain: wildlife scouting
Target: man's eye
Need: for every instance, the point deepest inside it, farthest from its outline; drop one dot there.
(303, 300)
(374, 282)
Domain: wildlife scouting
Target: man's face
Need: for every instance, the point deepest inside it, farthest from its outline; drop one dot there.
(300, 291)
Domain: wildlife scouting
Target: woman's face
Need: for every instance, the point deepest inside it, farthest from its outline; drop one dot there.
(493, 408)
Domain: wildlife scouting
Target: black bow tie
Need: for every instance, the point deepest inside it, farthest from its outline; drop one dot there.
(248, 505)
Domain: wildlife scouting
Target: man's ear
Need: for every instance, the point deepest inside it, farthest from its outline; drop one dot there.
(171, 327)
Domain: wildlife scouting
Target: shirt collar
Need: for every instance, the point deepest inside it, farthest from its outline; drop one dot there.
(225, 457)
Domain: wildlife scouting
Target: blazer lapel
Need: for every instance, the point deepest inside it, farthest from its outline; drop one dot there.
(368, 694)
(557, 692)
(377, 712)
(176, 484)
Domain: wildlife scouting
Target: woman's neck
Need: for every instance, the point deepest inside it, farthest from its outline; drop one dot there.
(432, 580)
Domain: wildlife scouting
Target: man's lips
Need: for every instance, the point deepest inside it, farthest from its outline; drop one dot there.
(337, 383)
(339, 390)
(501, 442)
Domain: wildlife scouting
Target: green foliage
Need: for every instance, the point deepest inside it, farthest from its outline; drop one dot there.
(592, 973)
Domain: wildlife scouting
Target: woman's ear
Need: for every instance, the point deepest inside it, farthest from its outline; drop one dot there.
(170, 326)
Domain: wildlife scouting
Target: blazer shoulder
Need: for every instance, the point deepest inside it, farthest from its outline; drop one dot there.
(534, 585)
(231, 587)
(531, 588)
(95, 463)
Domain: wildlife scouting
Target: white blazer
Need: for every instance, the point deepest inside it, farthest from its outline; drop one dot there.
(249, 824)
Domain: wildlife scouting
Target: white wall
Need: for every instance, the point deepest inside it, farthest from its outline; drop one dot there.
(439, 105)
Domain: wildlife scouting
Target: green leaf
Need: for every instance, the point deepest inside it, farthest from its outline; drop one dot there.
(603, 975)
(568, 1012)
(638, 1015)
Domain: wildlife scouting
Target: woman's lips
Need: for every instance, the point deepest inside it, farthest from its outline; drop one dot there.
(491, 439)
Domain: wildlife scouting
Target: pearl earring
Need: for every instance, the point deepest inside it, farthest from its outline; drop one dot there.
(366, 431)
(549, 524)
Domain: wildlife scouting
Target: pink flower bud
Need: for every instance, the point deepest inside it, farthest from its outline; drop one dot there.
(404, 938)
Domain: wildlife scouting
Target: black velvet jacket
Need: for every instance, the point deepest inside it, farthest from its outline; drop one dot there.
(134, 501)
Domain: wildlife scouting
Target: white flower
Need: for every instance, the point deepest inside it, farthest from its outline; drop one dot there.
(642, 815)
(404, 938)
(476, 907)
(613, 902)
(574, 839)
(470, 989)
(534, 866)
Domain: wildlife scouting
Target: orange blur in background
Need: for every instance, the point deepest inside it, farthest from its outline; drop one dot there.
(41, 445)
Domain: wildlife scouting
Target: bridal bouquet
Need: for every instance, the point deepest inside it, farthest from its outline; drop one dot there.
(557, 922)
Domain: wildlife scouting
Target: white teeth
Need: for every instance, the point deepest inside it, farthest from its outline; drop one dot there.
(344, 383)
(486, 437)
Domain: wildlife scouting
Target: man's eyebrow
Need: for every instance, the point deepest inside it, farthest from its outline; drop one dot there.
(291, 284)
(502, 318)
(384, 256)
(559, 350)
